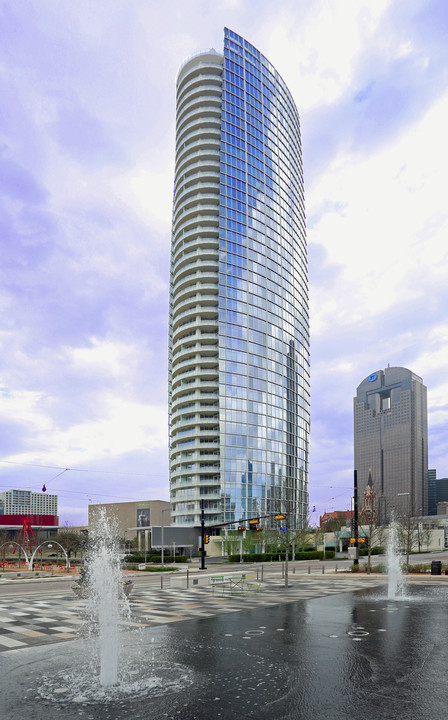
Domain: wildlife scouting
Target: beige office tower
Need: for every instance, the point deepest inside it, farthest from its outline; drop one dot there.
(391, 441)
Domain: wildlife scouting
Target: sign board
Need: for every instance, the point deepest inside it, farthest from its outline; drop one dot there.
(143, 519)
(279, 517)
(141, 566)
(254, 521)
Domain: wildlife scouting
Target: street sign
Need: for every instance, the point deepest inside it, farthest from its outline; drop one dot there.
(284, 529)
(254, 521)
(280, 517)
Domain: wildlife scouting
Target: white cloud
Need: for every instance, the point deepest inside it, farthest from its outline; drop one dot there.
(391, 225)
(148, 193)
(122, 426)
(317, 49)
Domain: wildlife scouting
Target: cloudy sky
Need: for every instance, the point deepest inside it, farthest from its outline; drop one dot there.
(86, 176)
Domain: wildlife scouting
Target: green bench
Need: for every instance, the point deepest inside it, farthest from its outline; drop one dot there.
(235, 584)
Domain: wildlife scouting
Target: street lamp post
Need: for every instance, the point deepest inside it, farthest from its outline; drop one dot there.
(52, 566)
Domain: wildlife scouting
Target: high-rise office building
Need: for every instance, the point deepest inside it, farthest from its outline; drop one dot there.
(239, 338)
(391, 441)
(432, 491)
(441, 490)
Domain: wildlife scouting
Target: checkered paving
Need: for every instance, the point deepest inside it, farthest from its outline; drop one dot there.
(38, 620)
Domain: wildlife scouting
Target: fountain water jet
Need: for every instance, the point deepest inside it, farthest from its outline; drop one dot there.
(106, 599)
(112, 664)
(394, 574)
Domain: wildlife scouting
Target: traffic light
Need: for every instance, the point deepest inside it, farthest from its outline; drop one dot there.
(206, 539)
(259, 529)
(241, 527)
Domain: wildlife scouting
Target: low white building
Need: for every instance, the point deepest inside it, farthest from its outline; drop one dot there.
(430, 535)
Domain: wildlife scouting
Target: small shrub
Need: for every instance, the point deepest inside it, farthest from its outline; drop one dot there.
(134, 558)
(377, 550)
(354, 568)
(363, 552)
(139, 557)
(168, 558)
(280, 556)
(419, 568)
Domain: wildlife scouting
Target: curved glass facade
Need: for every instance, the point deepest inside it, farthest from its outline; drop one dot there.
(239, 336)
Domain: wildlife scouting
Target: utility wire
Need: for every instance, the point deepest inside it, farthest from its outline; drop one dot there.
(58, 467)
(64, 491)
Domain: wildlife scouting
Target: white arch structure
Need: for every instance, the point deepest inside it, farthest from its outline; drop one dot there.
(50, 542)
(12, 542)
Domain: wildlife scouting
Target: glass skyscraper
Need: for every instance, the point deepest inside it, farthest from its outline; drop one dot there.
(391, 441)
(239, 334)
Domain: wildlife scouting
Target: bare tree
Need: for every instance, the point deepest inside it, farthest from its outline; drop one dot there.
(232, 541)
(302, 537)
(381, 535)
(405, 531)
(427, 535)
(70, 540)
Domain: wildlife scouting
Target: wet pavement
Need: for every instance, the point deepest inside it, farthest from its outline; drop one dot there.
(47, 617)
(343, 656)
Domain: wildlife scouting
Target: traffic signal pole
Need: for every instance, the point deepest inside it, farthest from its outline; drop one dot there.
(203, 553)
(252, 522)
(355, 516)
